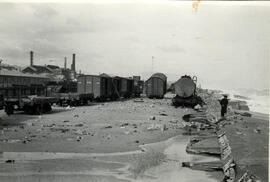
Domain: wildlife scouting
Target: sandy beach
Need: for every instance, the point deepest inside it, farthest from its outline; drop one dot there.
(100, 142)
(132, 140)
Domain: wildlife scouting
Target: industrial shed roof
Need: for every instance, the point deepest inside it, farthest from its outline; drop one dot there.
(5, 72)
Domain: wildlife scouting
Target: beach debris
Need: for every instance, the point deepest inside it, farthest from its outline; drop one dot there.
(138, 100)
(247, 114)
(257, 130)
(127, 132)
(187, 164)
(81, 132)
(63, 130)
(66, 121)
(79, 138)
(239, 133)
(49, 125)
(30, 124)
(163, 114)
(109, 126)
(78, 125)
(11, 140)
(69, 108)
(164, 127)
(135, 125)
(10, 161)
(152, 118)
(109, 137)
(197, 107)
(26, 140)
(174, 121)
(124, 124)
(137, 141)
(161, 127)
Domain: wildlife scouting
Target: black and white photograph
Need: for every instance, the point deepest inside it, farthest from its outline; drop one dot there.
(134, 91)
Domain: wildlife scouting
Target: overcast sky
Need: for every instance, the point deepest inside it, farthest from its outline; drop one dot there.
(226, 45)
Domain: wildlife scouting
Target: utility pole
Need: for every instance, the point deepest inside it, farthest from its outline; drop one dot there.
(152, 64)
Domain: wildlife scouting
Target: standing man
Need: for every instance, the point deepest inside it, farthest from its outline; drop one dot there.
(224, 103)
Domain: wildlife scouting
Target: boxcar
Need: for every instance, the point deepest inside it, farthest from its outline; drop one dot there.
(101, 87)
(126, 87)
(156, 86)
(138, 86)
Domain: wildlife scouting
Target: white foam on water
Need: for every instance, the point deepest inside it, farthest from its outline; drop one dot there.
(256, 103)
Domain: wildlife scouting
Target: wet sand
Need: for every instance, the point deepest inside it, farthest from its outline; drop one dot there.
(105, 167)
(249, 139)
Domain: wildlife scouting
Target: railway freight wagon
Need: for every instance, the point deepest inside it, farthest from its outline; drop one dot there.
(101, 87)
(185, 90)
(156, 86)
(121, 87)
(66, 93)
(25, 92)
(125, 88)
(137, 86)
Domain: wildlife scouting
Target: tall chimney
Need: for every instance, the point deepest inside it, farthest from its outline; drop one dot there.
(31, 58)
(73, 62)
(65, 63)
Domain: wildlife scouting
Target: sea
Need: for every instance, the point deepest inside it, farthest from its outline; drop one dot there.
(257, 100)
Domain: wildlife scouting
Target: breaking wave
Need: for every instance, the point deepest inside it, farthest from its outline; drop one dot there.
(257, 100)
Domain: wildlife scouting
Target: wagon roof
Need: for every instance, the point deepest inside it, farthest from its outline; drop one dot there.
(159, 75)
(108, 75)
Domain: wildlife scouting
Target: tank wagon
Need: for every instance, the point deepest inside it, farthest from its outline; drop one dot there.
(156, 86)
(24, 92)
(185, 90)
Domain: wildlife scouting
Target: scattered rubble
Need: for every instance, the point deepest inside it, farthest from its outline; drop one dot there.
(197, 107)
(257, 130)
(11, 140)
(10, 161)
(109, 126)
(161, 127)
(247, 114)
(138, 100)
(78, 125)
(79, 138)
(163, 114)
(124, 124)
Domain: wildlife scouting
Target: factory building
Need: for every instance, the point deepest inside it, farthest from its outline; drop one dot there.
(52, 71)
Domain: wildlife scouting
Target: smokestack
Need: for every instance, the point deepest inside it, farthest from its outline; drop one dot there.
(73, 62)
(65, 63)
(31, 58)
